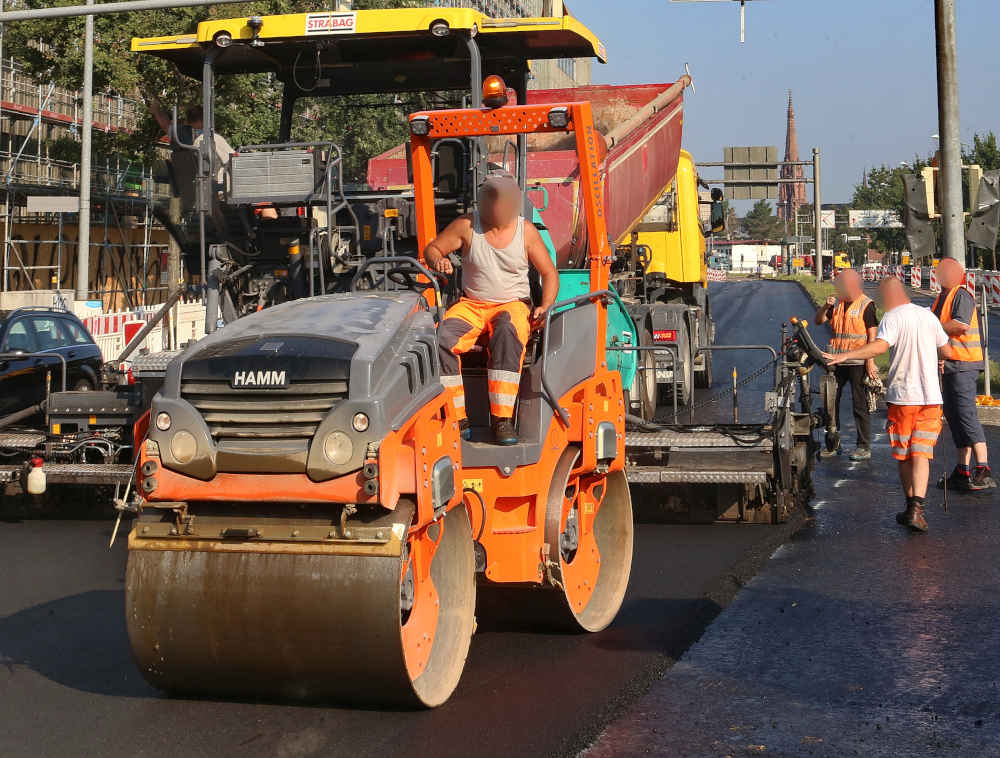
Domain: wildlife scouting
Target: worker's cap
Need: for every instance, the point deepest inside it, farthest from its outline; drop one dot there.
(501, 183)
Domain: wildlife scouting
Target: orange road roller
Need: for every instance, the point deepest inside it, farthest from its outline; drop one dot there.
(312, 524)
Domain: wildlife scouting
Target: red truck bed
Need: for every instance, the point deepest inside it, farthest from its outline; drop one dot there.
(642, 124)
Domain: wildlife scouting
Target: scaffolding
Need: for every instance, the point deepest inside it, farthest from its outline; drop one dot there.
(126, 243)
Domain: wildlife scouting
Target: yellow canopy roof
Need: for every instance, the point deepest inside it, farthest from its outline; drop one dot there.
(374, 50)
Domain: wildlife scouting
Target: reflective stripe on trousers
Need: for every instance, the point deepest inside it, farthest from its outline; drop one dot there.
(508, 329)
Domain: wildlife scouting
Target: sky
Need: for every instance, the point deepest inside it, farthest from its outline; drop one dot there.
(862, 74)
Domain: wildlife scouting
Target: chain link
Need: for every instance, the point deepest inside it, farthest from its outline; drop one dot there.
(728, 392)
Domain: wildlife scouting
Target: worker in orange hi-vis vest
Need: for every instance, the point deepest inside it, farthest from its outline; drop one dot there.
(955, 306)
(498, 247)
(854, 321)
(913, 395)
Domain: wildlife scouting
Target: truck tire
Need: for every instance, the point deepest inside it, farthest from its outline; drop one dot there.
(683, 388)
(644, 389)
(703, 379)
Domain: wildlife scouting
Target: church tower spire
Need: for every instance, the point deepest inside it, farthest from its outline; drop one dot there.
(791, 197)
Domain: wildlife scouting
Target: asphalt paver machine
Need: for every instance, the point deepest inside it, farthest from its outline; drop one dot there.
(325, 227)
(311, 523)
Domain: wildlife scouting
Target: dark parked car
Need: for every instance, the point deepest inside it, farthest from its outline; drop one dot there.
(31, 341)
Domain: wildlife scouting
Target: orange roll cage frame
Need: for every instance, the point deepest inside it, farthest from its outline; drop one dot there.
(520, 119)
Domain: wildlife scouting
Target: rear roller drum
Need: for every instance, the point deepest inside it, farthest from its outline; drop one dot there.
(266, 622)
(589, 529)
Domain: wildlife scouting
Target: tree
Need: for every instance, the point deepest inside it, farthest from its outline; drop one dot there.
(762, 224)
(984, 152)
(881, 188)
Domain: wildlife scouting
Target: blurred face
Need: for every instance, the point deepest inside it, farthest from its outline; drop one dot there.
(950, 273)
(849, 283)
(841, 286)
(499, 206)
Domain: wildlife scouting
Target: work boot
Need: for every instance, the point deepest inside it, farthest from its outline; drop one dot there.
(861, 454)
(903, 515)
(465, 429)
(982, 479)
(957, 480)
(914, 518)
(503, 432)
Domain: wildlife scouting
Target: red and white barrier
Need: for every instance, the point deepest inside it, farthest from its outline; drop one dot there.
(915, 277)
(935, 287)
(112, 331)
(971, 281)
(717, 275)
(992, 281)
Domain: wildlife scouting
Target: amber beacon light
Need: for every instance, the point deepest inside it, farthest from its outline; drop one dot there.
(494, 92)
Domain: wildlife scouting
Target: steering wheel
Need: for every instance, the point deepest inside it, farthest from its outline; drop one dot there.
(404, 276)
(403, 271)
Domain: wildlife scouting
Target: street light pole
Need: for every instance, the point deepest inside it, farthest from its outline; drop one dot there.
(818, 213)
(83, 237)
(952, 218)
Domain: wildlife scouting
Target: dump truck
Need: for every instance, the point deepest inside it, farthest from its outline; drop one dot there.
(312, 523)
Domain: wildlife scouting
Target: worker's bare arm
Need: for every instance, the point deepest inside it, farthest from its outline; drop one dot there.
(539, 257)
(870, 350)
(954, 328)
(870, 366)
(824, 311)
(455, 236)
(945, 353)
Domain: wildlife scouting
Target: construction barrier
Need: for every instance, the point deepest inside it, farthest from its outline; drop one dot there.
(934, 286)
(898, 272)
(717, 275)
(992, 281)
(915, 277)
(971, 280)
(113, 331)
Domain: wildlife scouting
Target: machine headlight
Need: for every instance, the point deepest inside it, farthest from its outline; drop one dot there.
(163, 421)
(223, 40)
(183, 446)
(440, 29)
(420, 126)
(338, 448)
(559, 118)
(360, 422)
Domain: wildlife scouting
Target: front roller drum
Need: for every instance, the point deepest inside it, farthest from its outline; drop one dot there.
(589, 530)
(366, 629)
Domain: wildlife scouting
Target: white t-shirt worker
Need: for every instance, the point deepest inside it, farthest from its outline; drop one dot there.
(917, 341)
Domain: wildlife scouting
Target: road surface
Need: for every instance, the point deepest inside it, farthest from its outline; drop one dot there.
(68, 685)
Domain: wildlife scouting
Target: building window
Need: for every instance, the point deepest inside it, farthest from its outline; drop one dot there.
(568, 67)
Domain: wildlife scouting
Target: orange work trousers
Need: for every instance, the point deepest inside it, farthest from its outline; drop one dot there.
(507, 325)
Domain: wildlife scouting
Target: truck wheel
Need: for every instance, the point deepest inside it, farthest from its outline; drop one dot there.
(644, 387)
(683, 388)
(703, 379)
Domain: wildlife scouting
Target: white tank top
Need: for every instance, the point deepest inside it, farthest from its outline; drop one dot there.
(493, 274)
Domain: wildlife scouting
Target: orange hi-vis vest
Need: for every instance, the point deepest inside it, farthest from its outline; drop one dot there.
(849, 332)
(966, 347)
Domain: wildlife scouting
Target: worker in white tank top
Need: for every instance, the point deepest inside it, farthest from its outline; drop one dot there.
(498, 248)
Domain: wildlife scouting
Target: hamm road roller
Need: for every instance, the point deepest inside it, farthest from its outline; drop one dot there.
(313, 526)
